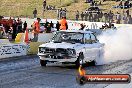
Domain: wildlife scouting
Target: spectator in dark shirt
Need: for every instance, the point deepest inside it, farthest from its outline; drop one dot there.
(127, 12)
(44, 4)
(77, 15)
(35, 13)
(51, 24)
(24, 26)
(57, 26)
(129, 19)
(19, 26)
(48, 30)
(14, 26)
(82, 16)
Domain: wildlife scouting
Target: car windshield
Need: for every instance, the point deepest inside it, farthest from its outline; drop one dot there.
(69, 37)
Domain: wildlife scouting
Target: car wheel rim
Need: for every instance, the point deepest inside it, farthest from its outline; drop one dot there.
(81, 62)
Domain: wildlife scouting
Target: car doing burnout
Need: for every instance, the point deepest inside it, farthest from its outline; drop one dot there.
(71, 46)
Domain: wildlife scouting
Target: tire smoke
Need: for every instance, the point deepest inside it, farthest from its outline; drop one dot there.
(118, 44)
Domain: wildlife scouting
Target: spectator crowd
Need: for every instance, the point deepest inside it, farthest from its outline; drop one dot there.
(95, 14)
(91, 14)
(11, 27)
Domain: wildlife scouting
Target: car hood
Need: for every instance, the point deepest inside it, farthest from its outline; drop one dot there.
(61, 45)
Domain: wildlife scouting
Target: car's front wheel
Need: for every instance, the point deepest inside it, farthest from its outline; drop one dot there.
(93, 63)
(79, 60)
(43, 63)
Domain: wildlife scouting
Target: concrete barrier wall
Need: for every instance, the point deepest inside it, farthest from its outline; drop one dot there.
(42, 37)
(4, 41)
(12, 50)
(33, 46)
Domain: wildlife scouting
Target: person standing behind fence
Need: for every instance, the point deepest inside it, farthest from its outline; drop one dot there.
(51, 24)
(64, 12)
(35, 13)
(77, 15)
(57, 26)
(63, 24)
(24, 26)
(58, 13)
(106, 17)
(44, 4)
(125, 19)
(61, 13)
(110, 16)
(127, 12)
(129, 19)
(36, 29)
(48, 27)
(90, 17)
(86, 16)
(14, 26)
(118, 18)
(82, 16)
(19, 25)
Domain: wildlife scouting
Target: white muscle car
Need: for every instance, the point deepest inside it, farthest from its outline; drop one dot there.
(71, 46)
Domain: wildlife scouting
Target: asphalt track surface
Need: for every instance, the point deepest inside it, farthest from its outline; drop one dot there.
(26, 72)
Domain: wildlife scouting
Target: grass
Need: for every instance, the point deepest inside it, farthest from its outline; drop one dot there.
(25, 8)
(66, 3)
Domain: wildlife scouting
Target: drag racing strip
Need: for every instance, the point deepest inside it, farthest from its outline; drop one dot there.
(10, 77)
(23, 76)
(123, 68)
(16, 64)
(26, 72)
(114, 67)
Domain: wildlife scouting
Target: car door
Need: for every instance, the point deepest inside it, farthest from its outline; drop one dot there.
(91, 47)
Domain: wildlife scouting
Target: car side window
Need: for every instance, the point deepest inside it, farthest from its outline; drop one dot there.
(88, 39)
(93, 38)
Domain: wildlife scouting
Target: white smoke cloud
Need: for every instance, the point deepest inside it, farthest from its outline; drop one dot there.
(118, 44)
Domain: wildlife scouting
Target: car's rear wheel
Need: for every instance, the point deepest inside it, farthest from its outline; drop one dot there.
(43, 63)
(98, 59)
(79, 60)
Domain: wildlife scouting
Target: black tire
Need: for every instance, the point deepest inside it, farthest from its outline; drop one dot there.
(80, 58)
(77, 63)
(43, 63)
(93, 63)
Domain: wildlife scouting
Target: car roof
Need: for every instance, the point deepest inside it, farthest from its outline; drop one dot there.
(77, 31)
